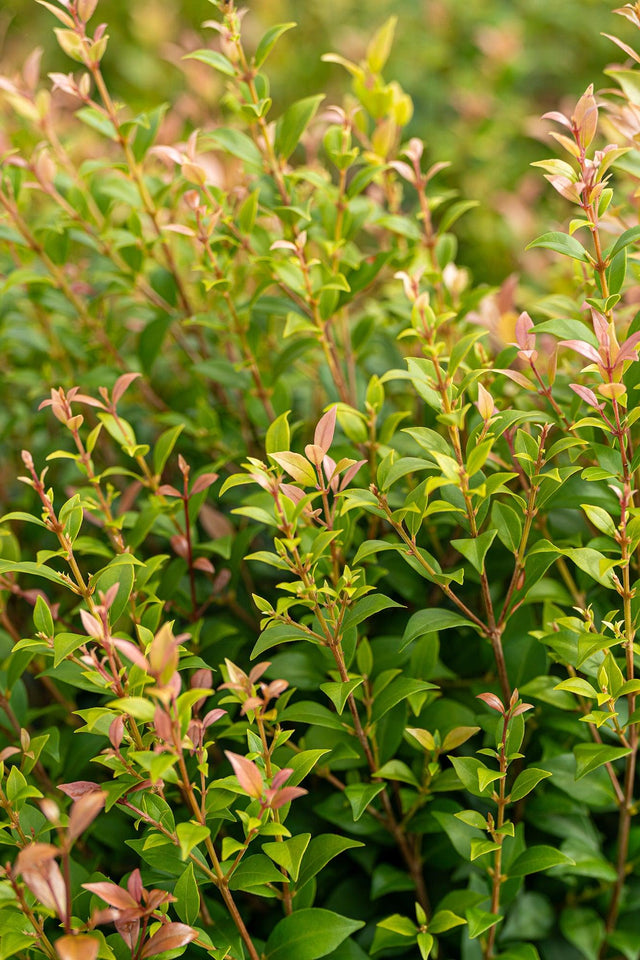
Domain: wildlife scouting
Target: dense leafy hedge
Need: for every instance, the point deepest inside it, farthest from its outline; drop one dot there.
(318, 592)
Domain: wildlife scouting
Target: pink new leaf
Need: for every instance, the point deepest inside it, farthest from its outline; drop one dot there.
(492, 701)
(525, 337)
(202, 482)
(91, 624)
(286, 795)
(629, 349)
(558, 117)
(170, 936)
(78, 788)
(77, 947)
(350, 473)
(587, 395)
(583, 348)
(83, 812)
(112, 894)
(323, 436)
(248, 775)
(522, 709)
(122, 384)
(132, 652)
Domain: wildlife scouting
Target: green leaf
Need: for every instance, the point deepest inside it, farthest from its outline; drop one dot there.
(293, 123)
(275, 634)
(308, 711)
(190, 835)
(278, 435)
(467, 769)
(579, 686)
(526, 781)
(396, 770)
(339, 692)
(254, 871)
(475, 549)
(296, 465)
(365, 608)
(163, 447)
(566, 328)
(595, 564)
(508, 525)
(37, 569)
(360, 795)
(600, 519)
(42, 619)
(590, 756)
(232, 141)
(394, 932)
(391, 473)
(120, 571)
(213, 59)
(480, 847)
(322, 849)
(309, 934)
(303, 763)
(584, 929)
(561, 243)
(288, 853)
(397, 691)
(268, 41)
(480, 921)
(444, 920)
(431, 621)
(120, 429)
(25, 517)
(624, 240)
(425, 943)
(536, 859)
(379, 46)
(65, 644)
(187, 904)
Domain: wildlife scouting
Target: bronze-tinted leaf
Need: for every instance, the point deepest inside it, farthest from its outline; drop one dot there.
(171, 936)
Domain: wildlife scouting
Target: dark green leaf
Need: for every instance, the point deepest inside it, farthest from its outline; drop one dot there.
(309, 934)
(590, 756)
(536, 859)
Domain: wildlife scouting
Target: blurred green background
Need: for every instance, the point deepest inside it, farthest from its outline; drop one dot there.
(480, 72)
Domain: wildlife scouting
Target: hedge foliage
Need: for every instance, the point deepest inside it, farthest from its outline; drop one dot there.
(318, 591)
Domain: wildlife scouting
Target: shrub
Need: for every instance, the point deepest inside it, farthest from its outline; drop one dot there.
(283, 421)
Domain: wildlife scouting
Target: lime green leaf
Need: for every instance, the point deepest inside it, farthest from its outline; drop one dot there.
(360, 795)
(268, 41)
(296, 465)
(480, 921)
(190, 835)
(561, 243)
(213, 59)
(444, 920)
(288, 853)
